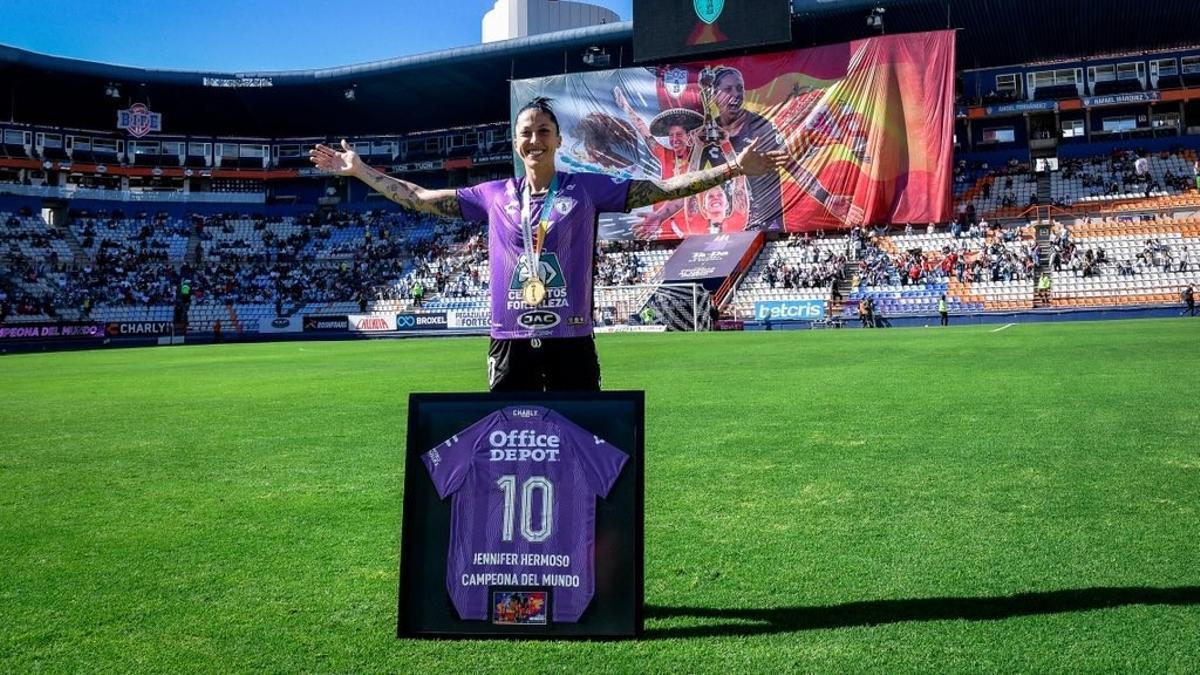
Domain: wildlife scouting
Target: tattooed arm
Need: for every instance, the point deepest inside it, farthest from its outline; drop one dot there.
(347, 163)
(749, 162)
(647, 192)
(438, 202)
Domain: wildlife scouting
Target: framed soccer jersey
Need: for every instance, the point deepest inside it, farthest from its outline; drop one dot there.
(523, 516)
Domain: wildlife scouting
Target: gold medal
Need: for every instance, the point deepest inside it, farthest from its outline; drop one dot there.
(533, 292)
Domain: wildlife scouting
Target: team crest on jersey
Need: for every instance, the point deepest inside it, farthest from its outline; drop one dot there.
(675, 81)
(563, 205)
(548, 266)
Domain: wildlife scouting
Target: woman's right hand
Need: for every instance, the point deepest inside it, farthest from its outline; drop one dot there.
(344, 163)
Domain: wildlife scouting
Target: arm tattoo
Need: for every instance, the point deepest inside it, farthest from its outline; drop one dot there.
(401, 192)
(646, 192)
(445, 205)
(438, 202)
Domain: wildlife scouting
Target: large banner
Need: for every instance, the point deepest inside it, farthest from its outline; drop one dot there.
(867, 125)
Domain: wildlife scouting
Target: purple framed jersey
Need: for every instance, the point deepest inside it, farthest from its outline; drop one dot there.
(566, 260)
(523, 483)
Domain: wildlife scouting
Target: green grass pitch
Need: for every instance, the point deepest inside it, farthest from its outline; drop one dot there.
(950, 500)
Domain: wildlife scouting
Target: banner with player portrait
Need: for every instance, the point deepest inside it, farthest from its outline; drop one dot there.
(868, 127)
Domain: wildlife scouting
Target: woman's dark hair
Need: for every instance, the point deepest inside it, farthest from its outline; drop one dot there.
(542, 105)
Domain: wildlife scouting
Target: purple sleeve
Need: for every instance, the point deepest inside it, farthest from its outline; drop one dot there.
(450, 462)
(608, 194)
(600, 460)
(472, 201)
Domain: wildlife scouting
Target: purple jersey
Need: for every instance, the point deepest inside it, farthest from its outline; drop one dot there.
(566, 258)
(524, 482)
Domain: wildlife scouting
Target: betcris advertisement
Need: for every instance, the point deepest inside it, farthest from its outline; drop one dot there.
(789, 310)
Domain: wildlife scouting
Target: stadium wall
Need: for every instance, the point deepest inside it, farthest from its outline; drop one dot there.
(1038, 316)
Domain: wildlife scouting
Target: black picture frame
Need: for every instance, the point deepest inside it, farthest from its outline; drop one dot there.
(615, 612)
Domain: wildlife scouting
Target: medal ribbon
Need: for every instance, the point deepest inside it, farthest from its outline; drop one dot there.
(533, 249)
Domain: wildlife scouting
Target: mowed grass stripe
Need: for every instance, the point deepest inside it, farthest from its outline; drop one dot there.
(908, 499)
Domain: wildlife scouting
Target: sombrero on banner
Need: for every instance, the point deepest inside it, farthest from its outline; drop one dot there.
(675, 117)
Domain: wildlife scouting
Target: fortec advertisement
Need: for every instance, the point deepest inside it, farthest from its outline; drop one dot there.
(709, 259)
(460, 319)
(789, 310)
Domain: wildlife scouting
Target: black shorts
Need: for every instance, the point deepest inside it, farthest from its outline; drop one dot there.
(551, 364)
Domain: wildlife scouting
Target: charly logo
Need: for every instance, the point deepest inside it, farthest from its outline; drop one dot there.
(551, 272)
(538, 319)
(708, 10)
(675, 81)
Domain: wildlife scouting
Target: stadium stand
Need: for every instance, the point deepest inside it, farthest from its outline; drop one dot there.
(231, 208)
(244, 268)
(794, 268)
(241, 267)
(1108, 178)
(995, 192)
(1125, 261)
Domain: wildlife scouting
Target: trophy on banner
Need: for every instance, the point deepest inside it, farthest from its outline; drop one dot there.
(712, 132)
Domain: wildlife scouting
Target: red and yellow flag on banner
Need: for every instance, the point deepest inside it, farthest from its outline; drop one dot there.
(867, 125)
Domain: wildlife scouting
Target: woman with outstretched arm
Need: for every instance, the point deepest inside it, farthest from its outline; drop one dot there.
(541, 238)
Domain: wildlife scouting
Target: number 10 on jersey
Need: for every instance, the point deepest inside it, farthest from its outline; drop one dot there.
(541, 484)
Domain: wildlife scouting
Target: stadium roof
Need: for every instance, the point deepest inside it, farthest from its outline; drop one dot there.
(469, 85)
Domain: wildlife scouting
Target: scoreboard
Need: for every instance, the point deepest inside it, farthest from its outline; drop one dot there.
(665, 30)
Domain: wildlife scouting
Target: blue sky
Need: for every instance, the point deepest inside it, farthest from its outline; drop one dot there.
(231, 36)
